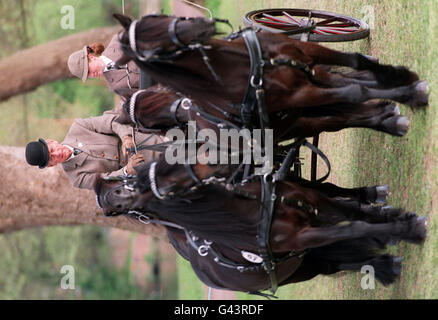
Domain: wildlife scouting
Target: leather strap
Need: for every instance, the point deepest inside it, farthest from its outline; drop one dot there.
(173, 109)
(268, 198)
(172, 33)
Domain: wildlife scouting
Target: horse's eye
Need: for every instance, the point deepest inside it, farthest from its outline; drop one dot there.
(117, 192)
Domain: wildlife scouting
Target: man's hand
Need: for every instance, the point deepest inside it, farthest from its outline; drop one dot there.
(127, 143)
(134, 161)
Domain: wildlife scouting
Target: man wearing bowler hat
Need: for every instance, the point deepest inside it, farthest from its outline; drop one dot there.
(93, 146)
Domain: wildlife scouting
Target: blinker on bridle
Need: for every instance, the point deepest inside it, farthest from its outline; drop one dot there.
(154, 55)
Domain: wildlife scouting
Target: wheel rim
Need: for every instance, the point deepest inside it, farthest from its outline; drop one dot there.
(327, 24)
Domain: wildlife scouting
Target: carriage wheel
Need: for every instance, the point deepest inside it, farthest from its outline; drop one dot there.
(329, 27)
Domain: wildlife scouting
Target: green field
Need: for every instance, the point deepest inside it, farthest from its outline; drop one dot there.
(405, 33)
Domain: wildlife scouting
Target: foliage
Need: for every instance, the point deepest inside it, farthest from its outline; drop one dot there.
(32, 260)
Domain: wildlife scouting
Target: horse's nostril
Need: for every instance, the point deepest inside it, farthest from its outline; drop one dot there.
(119, 206)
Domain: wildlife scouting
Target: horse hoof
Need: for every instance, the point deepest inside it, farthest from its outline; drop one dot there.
(396, 111)
(402, 125)
(418, 230)
(420, 95)
(397, 266)
(421, 227)
(371, 58)
(382, 193)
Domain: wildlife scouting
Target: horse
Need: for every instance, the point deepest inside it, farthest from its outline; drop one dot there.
(293, 76)
(219, 228)
(159, 108)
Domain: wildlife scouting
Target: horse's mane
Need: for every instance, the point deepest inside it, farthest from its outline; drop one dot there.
(206, 216)
(157, 97)
(201, 212)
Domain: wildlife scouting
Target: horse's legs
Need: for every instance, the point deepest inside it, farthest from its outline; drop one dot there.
(386, 75)
(411, 230)
(376, 194)
(310, 95)
(386, 267)
(380, 116)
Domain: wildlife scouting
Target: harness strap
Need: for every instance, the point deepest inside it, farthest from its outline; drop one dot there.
(293, 64)
(256, 76)
(173, 109)
(268, 198)
(172, 33)
(192, 173)
(132, 103)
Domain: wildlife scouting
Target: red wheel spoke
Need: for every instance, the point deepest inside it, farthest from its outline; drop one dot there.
(276, 19)
(291, 18)
(338, 25)
(327, 21)
(278, 24)
(336, 30)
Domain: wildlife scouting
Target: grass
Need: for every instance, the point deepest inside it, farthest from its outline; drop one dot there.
(364, 157)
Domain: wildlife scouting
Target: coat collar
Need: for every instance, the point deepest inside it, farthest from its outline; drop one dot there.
(77, 161)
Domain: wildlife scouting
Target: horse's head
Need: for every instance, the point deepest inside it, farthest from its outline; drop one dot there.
(161, 34)
(151, 108)
(115, 196)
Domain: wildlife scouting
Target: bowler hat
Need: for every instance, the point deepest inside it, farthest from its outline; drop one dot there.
(78, 64)
(37, 153)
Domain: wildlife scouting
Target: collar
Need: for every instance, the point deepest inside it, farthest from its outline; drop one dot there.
(107, 62)
(72, 152)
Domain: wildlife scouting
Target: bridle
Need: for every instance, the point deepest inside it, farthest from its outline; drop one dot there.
(157, 55)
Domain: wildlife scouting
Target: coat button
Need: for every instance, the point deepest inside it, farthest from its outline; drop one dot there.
(103, 155)
(116, 157)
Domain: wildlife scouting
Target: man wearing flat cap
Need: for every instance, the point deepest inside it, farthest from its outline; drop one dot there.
(93, 146)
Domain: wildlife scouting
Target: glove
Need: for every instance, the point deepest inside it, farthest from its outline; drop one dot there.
(134, 161)
(127, 143)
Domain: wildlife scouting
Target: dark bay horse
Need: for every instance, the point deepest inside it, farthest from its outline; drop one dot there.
(216, 228)
(160, 108)
(208, 69)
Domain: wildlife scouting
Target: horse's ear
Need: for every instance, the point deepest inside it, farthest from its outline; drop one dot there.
(124, 59)
(125, 21)
(123, 117)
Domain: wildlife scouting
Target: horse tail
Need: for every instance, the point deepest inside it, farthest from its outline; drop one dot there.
(354, 255)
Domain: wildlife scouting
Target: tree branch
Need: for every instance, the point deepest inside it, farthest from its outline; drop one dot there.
(29, 68)
(31, 197)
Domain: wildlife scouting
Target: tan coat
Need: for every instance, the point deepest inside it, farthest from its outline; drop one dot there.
(123, 82)
(99, 139)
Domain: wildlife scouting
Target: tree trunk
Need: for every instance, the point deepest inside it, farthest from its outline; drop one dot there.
(184, 9)
(27, 69)
(149, 6)
(31, 197)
